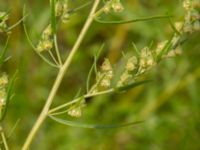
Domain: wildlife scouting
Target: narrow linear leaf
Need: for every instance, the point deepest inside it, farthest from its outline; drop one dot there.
(136, 49)
(173, 27)
(131, 85)
(79, 8)
(32, 45)
(165, 49)
(132, 20)
(17, 23)
(77, 94)
(53, 16)
(2, 55)
(90, 126)
(13, 128)
(93, 67)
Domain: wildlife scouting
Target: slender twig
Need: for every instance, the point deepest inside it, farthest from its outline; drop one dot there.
(58, 80)
(52, 56)
(33, 46)
(4, 139)
(57, 49)
(17, 23)
(77, 99)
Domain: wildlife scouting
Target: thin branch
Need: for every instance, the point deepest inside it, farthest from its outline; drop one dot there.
(58, 80)
(77, 99)
(4, 139)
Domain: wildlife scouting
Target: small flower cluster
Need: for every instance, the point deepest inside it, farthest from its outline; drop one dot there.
(192, 17)
(3, 18)
(3, 94)
(130, 67)
(76, 110)
(106, 74)
(46, 42)
(62, 10)
(114, 5)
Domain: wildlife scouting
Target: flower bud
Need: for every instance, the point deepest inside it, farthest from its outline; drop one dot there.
(196, 25)
(117, 7)
(131, 64)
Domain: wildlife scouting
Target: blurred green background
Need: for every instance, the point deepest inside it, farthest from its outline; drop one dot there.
(169, 105)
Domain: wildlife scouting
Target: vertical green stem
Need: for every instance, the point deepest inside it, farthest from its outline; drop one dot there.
(58, 80)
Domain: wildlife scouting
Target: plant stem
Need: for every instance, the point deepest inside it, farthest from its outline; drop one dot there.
(77, 99)
(62, 70)
(56, 49)
(4, 139)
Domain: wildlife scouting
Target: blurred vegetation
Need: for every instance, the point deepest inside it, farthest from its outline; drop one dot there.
(169, 105)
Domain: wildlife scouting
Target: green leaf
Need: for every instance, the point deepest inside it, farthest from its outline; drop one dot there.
(91, 126)
(2, 55)
(173, 27)
(164, 50)
(93, 67)
(136, 49)
(53, 16)
(131, 85)
(132, 20)
(79, 7)
(32, 45)
(13, 128)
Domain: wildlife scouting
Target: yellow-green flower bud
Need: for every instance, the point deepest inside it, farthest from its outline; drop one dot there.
(2, 98)
(196, 25)
(117, 7)
(3, 80)
(106, 9)
(179, 26)
(125, 77)
(47, 33)
(131, 64)
(106, 66)
(105, 82)
(75, 112)
(187, 5)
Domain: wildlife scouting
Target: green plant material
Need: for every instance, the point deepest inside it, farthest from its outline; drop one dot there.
(2, 54)
(32, 45)
(71, 11)
(131, 86)
(93, 67)
(136, 49)
(16, 24)
(13, 128)
(53, 16)
(165, 49)
(133, 20)
(9, 91)
(89, 126)
(173, 27)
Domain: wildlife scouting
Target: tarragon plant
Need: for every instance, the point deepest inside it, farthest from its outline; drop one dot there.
(105, 82)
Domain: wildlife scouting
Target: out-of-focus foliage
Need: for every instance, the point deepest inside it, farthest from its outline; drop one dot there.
(169, 105)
